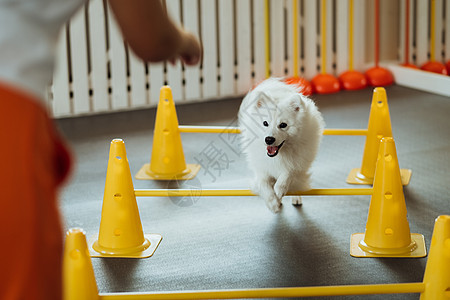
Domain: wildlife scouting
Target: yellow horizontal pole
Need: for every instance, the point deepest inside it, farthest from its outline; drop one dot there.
(322, 291)
(345, 132)
(227, 129)
(209, 129)
(236, 193)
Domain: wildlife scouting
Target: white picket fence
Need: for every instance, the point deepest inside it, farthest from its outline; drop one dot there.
(96, 72)
(419, 27)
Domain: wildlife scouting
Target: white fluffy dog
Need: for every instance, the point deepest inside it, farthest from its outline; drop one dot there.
(281, 132)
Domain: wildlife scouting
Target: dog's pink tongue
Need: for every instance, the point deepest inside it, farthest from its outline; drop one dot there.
(272, 149)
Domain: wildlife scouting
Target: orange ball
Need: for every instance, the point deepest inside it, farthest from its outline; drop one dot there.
(353, 80)
(378, 76)
(325, 84)
(435, 67)
(303, 84)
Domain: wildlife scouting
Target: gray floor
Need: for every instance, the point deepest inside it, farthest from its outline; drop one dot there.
(236, 242)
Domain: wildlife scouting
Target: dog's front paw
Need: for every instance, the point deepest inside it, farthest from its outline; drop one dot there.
(280, 189)
(297, 201)
(255, 187)
(274, 204)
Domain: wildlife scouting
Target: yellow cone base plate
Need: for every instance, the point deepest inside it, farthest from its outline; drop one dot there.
(356, 178)
(419, 251)
(191, 172)
(154, 240)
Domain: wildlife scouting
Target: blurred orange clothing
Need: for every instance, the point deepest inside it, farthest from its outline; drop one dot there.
(33, 163)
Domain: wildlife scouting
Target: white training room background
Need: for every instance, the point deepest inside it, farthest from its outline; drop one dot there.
(96, 71)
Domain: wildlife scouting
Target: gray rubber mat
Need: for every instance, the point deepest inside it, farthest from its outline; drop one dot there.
(236, 242)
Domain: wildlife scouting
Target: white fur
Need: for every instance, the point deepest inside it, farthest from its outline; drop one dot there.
(276, 102)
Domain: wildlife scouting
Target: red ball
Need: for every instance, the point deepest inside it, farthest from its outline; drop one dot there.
(303, 84)
(325, 84)
(353, 80)
(378, 76)
(435, 67)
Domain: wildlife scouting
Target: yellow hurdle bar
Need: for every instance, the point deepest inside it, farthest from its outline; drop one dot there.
(227, 129)
(208, 129)
(236, 193)
(396, 288)
(345, 131)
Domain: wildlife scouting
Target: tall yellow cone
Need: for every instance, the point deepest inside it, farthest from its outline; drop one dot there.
(78, 274)
(167, 161)
(387, 229)
(379, 126)
(437, 271)
(120, 233)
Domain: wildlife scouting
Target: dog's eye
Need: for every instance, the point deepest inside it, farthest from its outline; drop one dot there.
(265, 123)
(282, 125)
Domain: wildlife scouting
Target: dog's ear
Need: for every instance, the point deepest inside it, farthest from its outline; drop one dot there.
(261, 99)
(296, 102)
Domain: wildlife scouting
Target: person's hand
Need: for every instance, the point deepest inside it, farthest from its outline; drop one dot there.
(152, 35)
(190, 51)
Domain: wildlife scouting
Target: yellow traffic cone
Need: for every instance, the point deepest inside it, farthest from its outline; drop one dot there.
(78, 274)
(437, 271)
(387, 229)
(120, 233)
(167, 161)
(379, 126)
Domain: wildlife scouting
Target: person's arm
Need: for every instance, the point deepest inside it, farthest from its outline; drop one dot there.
(152, 35)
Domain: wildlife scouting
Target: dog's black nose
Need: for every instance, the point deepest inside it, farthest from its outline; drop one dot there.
(270, 140)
